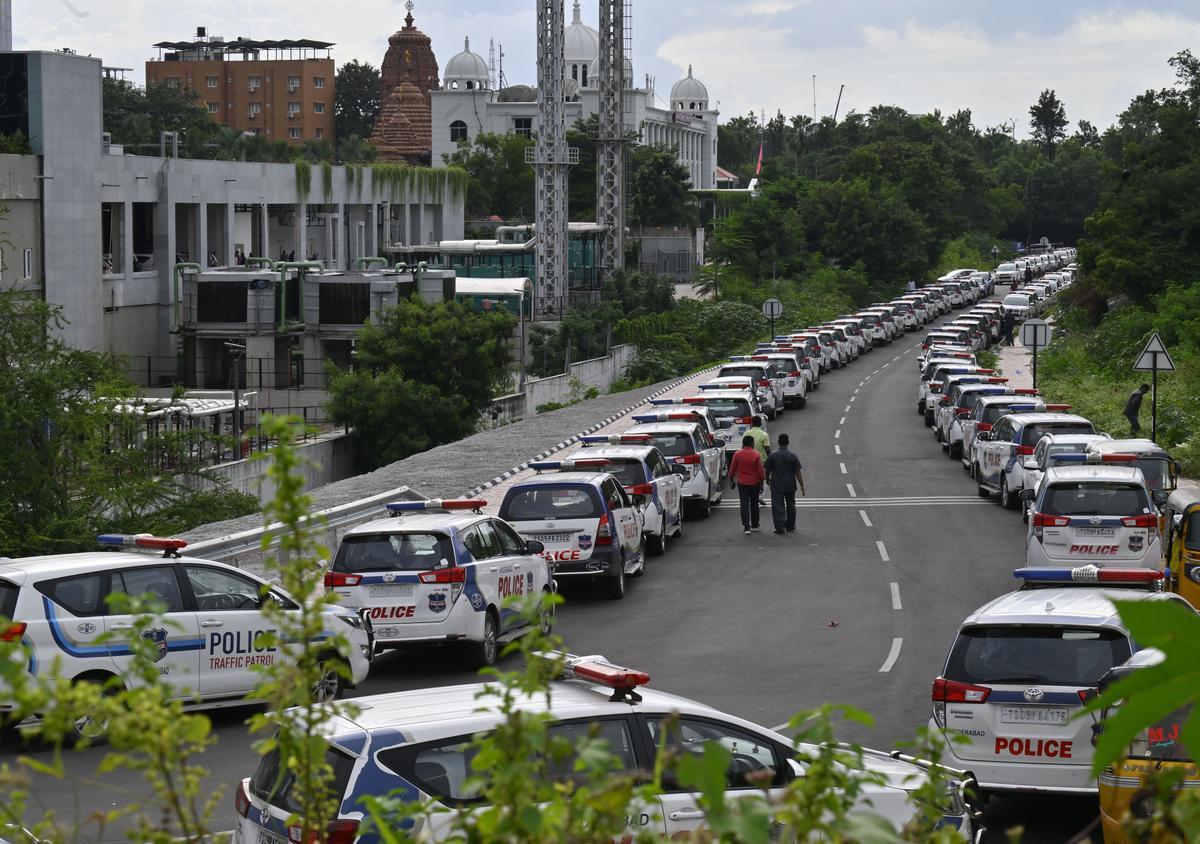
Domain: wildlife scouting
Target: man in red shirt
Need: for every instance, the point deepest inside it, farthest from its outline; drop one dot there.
(746, 475)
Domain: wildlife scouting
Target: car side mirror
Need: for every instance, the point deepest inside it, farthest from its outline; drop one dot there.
(1030, 464)
(1178, 520)
(986, 436)
(1160, 496)
(796, 768)
(1027, 495)
(532, 546)
(679, 470)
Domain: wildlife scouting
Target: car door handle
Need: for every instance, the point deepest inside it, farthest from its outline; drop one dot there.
(119, 626)
(494, 569)
(686, 815)
(212, 622)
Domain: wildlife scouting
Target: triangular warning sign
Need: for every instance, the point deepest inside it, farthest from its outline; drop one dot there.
(1154, 356)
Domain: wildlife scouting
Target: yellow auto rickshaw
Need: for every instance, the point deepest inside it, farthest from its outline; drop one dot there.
(1130, 788)
(1182, 543)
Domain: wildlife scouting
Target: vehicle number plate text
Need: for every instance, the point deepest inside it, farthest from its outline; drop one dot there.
(391, 590)
(1055, 715)
(1096, 531)
(268, 837)
(552, 537)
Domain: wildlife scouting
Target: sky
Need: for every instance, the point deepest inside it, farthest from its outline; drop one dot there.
(753, 55)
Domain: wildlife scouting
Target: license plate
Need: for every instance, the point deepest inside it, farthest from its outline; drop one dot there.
(1098, 531)
(1054, 715)
(552, 537)
(265, 836)
(391, 590)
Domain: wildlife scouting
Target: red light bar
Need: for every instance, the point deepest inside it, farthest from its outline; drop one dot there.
(689, 416)
(588, 462)
(1061, 408)
(759, 357)
(613, 676)
(996, 380)
(1026, 391)
(160, 544)
(694, 400)
(464, 504)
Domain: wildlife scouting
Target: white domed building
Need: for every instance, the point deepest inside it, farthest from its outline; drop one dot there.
(465, 106)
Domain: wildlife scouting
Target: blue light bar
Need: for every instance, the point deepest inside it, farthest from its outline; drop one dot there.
(546, 465)
(435, 504)
(714, 387)
(739, 357)
(1069, 458)
(1088, 574)
(1021, 408)
(115, 540)
(664, 402)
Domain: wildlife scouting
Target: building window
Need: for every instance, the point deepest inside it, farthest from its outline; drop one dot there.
(27, 263)
(294, 133)
(320, 133)
(470, 86)
(254, 83)
(318, 108)
(458, 131)
(212, 81)
(293, 109)
(293, 83)
(575, 72)
(171, 81)
(583, 76)
(212, 107)
(255, 109)
(318, 81)
(523, 126)
(693, 106)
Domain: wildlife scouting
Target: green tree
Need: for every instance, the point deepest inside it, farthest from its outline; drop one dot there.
(1048, 120)
(660, 189)
(499, 180)
(352, 149)
(435, 366)
(1087, 135)
(135, 117)
(356, 101)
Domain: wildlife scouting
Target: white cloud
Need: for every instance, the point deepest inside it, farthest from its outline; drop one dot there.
(769, 7)
(1096, 65)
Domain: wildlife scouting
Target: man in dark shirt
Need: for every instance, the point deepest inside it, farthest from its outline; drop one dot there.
(1134, 404)
(783, 476)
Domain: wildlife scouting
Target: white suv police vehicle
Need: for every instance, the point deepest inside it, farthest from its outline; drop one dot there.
(439, 571)
(951, 430)
(1093, 508)
(419, 745)
(588, 525)
(1020, 669)
(684, 443)
(764, 379)
(999, 454)
(734, 412)
(655, 484)
(1037, 464)
(206, 643)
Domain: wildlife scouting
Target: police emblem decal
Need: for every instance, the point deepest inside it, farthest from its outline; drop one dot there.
(157, 636)
(437, 602)
(477, 600)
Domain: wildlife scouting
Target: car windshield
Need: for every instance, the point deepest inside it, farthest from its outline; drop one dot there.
(1016, 300)
(275, 783)
(1094, 498)
(672, 445)
(1032, 433)
(1155, 471)
(1192, 530)
(393, 552)
(728, 408)
(1056, 656)
(546, 503)
(1162, 739)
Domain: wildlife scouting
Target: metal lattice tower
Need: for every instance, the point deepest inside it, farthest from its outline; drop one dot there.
(550, 157)
(612, 134)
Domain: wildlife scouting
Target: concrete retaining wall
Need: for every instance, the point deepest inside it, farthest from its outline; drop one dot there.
(326, 460)
(597, 372)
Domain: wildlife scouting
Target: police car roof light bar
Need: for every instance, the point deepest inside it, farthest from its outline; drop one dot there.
(596, 669)
(615, 439)
(169, 547)
(1089, 574)
(401, 507)
(1060, 408)
(664, 402)
(1093, 458)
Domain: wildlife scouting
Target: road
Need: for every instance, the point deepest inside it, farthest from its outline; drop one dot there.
(893, 549)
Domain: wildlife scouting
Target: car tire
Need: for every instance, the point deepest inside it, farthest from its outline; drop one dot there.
(86, 727)
(657, 545)
(545, 615)
(1007, 500)
(614, 585)
(679, 532)
(920, 408)
(704, 508)
(983, 491)
(485, 651)
(331, 685)
(955, 450)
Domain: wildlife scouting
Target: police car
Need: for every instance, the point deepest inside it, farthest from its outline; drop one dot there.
(847, 349)
(874, 328)
(990, 409)
(587, 523)
(1020, 669)
(887, 321)
(813, 347)
(764, 378)
(734, 412)
(961, 402)
(808, 367)
(1093, 508)
(790, 375)
(906, 313)
(760, 397)
(655, 483)
(937, 369)
(999, 454)
(419, 746)
(854, 330)
(685, 444)
(206, 644)
(940, 350)
(938, 390)
(439, 571)
(958, 336)
(1037, 464)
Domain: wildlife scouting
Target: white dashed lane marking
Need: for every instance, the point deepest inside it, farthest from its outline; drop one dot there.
(847, 410)
(883, 554)
(842, 421)
(866, 519)
(837, 435)
(893, 655)
(850, 489)
(837, 449)
(896, 605)
(842, 466)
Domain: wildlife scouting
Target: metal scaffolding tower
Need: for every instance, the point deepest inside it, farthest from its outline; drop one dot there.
(612, 137)
(550, 157)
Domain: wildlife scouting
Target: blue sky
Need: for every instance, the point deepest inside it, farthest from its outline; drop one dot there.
(752, 54)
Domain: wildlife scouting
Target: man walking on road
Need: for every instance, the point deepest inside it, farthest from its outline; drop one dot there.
(1028, 274)
(1006, 327)
(746, 475)
(783, 473)
(1132, 406)
(762, 440)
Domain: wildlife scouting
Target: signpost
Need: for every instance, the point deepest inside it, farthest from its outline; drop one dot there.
(772, 310)
(1154, 359)
(1035, 333)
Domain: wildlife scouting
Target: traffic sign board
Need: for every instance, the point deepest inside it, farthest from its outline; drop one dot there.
(1035, 332)
(772, 309)
(1154, 357)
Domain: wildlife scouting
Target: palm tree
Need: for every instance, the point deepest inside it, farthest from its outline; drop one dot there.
(354, 150)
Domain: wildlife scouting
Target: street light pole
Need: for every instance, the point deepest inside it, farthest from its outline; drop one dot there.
(236, 349)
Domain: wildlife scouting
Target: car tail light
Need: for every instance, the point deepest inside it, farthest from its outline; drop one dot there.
(795, 373)
(689, 460)
(1043, 520)
(450, 574)
(1140, 521)
(951, 691)
(962, 411)
(603, 532)
(640, 489)
(1024, 449)
(983, 426)
(13, 632)
(241, 798)
(712, 439)
(343, 831)
(340, 578)
(764, 383)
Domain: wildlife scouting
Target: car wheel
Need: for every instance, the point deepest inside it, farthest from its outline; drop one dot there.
(484, 651)
(928, 419)
(90, 726)
(920, 408)
(704, 508)
(956, 451)
(679, 532)
(983, 491)
(657, 545)
(1007, 500)
(546, 614)
(331, 685)
(614, 586)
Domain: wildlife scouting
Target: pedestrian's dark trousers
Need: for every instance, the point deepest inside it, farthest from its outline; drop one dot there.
(748, 498)
(1134, 425)
(783, 509)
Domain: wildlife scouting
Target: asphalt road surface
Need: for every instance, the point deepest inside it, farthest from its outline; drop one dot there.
(893, 549)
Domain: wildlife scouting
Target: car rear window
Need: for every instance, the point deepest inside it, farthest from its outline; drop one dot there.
(673, 445)
(1056, 656)
(273, 783)
(393, 552)
(8, 599)
(752, 372)
(1032, 433)
(1094, 498)
(546, 503)
(728, 408)
(627, 472)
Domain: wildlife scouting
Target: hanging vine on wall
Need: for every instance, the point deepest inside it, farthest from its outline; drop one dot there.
(327, 180)
(354, 179)
(402, 181)
(303, 180)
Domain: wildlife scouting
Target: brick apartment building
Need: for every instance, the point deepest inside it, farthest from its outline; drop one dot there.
(282, 90)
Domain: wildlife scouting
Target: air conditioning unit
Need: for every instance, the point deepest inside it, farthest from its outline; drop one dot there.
(292, 88)
(252, 88)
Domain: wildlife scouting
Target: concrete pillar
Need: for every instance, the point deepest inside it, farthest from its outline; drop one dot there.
(230, 225)
(369, 220)
(301, 231)
(127, 237)
(339, 236)
(201, 233)
(265, 222)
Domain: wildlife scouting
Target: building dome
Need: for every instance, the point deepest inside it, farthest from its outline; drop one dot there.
(581, 44)
(593, 80)
(689, 94)
(466, 71)
(517, 94)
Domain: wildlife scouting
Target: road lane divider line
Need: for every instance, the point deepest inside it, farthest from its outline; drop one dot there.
(837, 449)
(842, 466)
(896, 358)
(842, 421)
(883, 554)
(896, 605)
(852, 398)
(850, 489)
(847, 410)
(866, 519)
(885, 366)
(893, 655)
(837, 435)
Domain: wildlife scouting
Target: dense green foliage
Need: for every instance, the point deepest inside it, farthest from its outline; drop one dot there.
(499, 181)
(72, 467)
(356, 100)
(425, 373)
